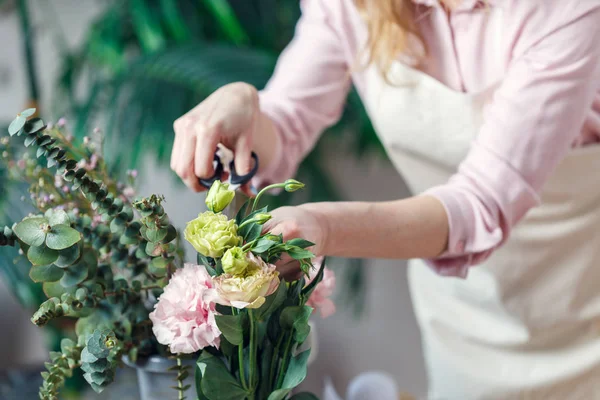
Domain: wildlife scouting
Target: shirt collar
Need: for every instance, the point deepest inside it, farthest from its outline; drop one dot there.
(465, 5)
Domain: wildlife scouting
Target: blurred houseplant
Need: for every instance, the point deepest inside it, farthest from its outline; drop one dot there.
(146, 62)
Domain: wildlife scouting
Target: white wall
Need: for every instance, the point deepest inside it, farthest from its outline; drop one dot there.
(386, 338)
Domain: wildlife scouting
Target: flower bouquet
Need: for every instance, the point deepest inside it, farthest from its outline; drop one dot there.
(115, 265)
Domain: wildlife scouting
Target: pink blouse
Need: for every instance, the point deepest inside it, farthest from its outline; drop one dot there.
(548, 101)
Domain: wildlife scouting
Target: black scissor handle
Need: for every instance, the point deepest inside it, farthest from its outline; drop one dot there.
(243, 179)
(208, 182)
(235, 178)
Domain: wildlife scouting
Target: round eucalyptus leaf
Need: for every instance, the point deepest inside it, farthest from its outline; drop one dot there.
(69, 175)
(41, 255)
(53, 289)
(16, 125)
(57, 217)
(71, 164)
(45, 141)
(61, 237)
(40, 152)
(34, 125)
(45, 273)
(53, 153)
(30, 139)
(156, 235)
(74, 275)
(126, 240)
(28, 113)
(68, 256)
(31, 231)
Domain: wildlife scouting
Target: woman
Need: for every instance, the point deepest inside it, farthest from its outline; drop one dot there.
(491, 112)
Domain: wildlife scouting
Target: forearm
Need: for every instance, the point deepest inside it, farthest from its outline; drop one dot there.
(416, 227)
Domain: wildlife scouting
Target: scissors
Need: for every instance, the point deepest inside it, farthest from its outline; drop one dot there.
(235, 180)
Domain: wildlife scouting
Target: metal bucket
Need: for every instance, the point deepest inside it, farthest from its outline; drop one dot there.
(155, 380)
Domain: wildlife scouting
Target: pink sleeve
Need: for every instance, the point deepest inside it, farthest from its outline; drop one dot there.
(534, 118)
(307, 91)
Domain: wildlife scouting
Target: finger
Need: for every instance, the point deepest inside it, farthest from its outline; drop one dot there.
(248, 190)
(186, 163)
(243, 159)
(206, 145)
(175, 152)
(289, 268)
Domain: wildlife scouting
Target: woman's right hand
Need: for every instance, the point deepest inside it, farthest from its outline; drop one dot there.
(228, 116)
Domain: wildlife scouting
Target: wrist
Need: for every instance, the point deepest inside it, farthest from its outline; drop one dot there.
(324, 223)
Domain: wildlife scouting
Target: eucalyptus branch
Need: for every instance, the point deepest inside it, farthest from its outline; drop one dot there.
(61, 366)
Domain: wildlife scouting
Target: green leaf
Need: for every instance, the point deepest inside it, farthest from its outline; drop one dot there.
(250, 232)
(203, 260)
(73, 276)
(79, 272)
(296, 372)
(45, 273)
(29, 140)
(306, 291)
(239, 217)
(231, 327)
(156, 235)
(41, 255)
(28, 113)
(57, 217)
(16, 125)
(273, 301)
(53, 289)
(217, 383)
(61, 237)
(31, 231)
(279, 394)
(296, 317)
(228, 21)
(295, 375)
(303, 244)
(198, 381)
(34, 125)
(299, 254)
(263, 244)
(68, 256)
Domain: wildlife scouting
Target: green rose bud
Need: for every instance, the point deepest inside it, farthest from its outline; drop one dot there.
(234, 261)
(212, 234)
(261, 218)
(291, 185)
(219, 196)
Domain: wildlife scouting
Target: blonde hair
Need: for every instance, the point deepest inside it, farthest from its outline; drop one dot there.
(392, 32)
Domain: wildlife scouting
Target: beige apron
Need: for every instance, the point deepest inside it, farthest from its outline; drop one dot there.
(526, 323)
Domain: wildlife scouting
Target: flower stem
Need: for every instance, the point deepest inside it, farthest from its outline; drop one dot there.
(253, 350)
(248, 245)
(286, 357)
(275, 362)
(266, 189)
(179, 381)
(241, 360)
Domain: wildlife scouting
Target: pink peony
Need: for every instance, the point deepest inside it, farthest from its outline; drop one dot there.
(184, 317)
(320, 298)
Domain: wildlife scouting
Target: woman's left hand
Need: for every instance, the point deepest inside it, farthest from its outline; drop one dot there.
(298, 222)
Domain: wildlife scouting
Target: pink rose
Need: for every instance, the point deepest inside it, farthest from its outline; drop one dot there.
(184, 317)
(320, 297)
